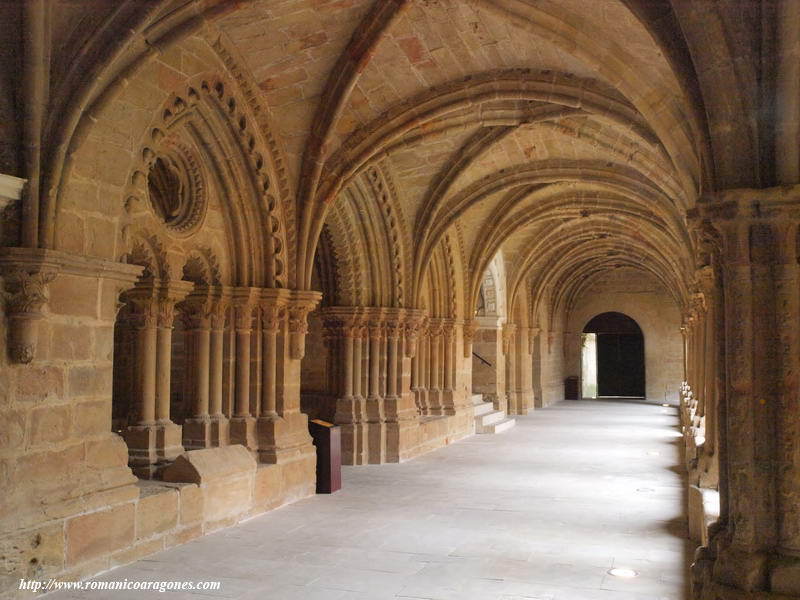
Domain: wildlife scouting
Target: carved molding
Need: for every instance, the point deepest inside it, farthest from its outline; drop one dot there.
(26, 275)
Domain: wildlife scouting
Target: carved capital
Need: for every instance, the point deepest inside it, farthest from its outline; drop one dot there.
(413, 327)
(272, 316)
(376, 329)
(26, 291)
(297, 311)
(219, 309)
(470, 328)
(144, 310)
(198, 309)
(393, 330)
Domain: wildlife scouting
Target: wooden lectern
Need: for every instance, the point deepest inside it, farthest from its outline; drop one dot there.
(328, 440)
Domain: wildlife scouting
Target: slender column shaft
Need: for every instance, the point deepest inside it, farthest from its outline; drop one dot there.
(374, 362)
(269, 372)
(349, 369)
(427, 363)
(391, 388)
(357, 358)
(447, 342)
(242, 395)
(163, 371)
(146, 364)
(436, 371)
(202, 339)
(415, 369)
(786, 275)
(215, 374)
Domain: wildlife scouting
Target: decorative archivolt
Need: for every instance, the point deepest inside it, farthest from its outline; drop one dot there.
(202, 267)
(250, 92)
(397, 232)
(148, 251)
(369, 241)
(347, 257)
(203, 124)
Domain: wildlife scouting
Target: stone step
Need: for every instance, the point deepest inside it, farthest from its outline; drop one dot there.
(477, 399)
(490, 417)
(500, 426)
(483, 408)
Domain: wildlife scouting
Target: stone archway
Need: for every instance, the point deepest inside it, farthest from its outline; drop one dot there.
(616, 342)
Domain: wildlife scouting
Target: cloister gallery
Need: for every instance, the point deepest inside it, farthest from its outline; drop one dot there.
(416, 219)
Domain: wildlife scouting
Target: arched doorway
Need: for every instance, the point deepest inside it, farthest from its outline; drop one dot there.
(614, 342)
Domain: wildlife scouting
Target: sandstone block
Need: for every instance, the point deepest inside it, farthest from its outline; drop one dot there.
(228, 498)
(90, 380)
(39, 383)
(92, 418)
(107, 453)
(268, 490)
(210, 464)
(74, 296)
(12, 433)
(90, 536)
(71, 342)
(156, 511)
(50, 424)
(191, 504)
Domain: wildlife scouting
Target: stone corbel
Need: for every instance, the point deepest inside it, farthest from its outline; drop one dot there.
(27, 273)
(26, 295)
(533, 333)
(470, 328)
(508, 336)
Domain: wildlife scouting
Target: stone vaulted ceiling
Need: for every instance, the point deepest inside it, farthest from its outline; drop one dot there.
(558, 133)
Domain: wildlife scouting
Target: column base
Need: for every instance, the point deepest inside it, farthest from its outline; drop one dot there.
(243, 431)
(349, 416)
(197, 433)
(153, 443)
(206, 432)
(738, 575)
(434, 407)
(282, 439)
(375, 430)
(220, 431)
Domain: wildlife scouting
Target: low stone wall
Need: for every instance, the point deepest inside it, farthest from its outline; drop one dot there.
(210, 489)
(437, 432)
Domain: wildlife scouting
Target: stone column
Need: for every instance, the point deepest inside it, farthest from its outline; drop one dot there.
(435, 365)
(424, 369)
(754, 551)
(343, 326)
(448, 400)
(242, 423)
(169, 436)
(358, 339)
(284, 440)
(197, 428)
(140, 437)
(508, 333)
(219, 425)
(271, 317)
(375, 417)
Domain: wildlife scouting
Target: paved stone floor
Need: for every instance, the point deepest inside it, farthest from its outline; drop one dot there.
(542, 511)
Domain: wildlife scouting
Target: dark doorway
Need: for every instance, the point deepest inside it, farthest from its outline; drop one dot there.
(620, 355)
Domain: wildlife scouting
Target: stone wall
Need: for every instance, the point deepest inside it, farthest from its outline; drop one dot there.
(643, 299)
